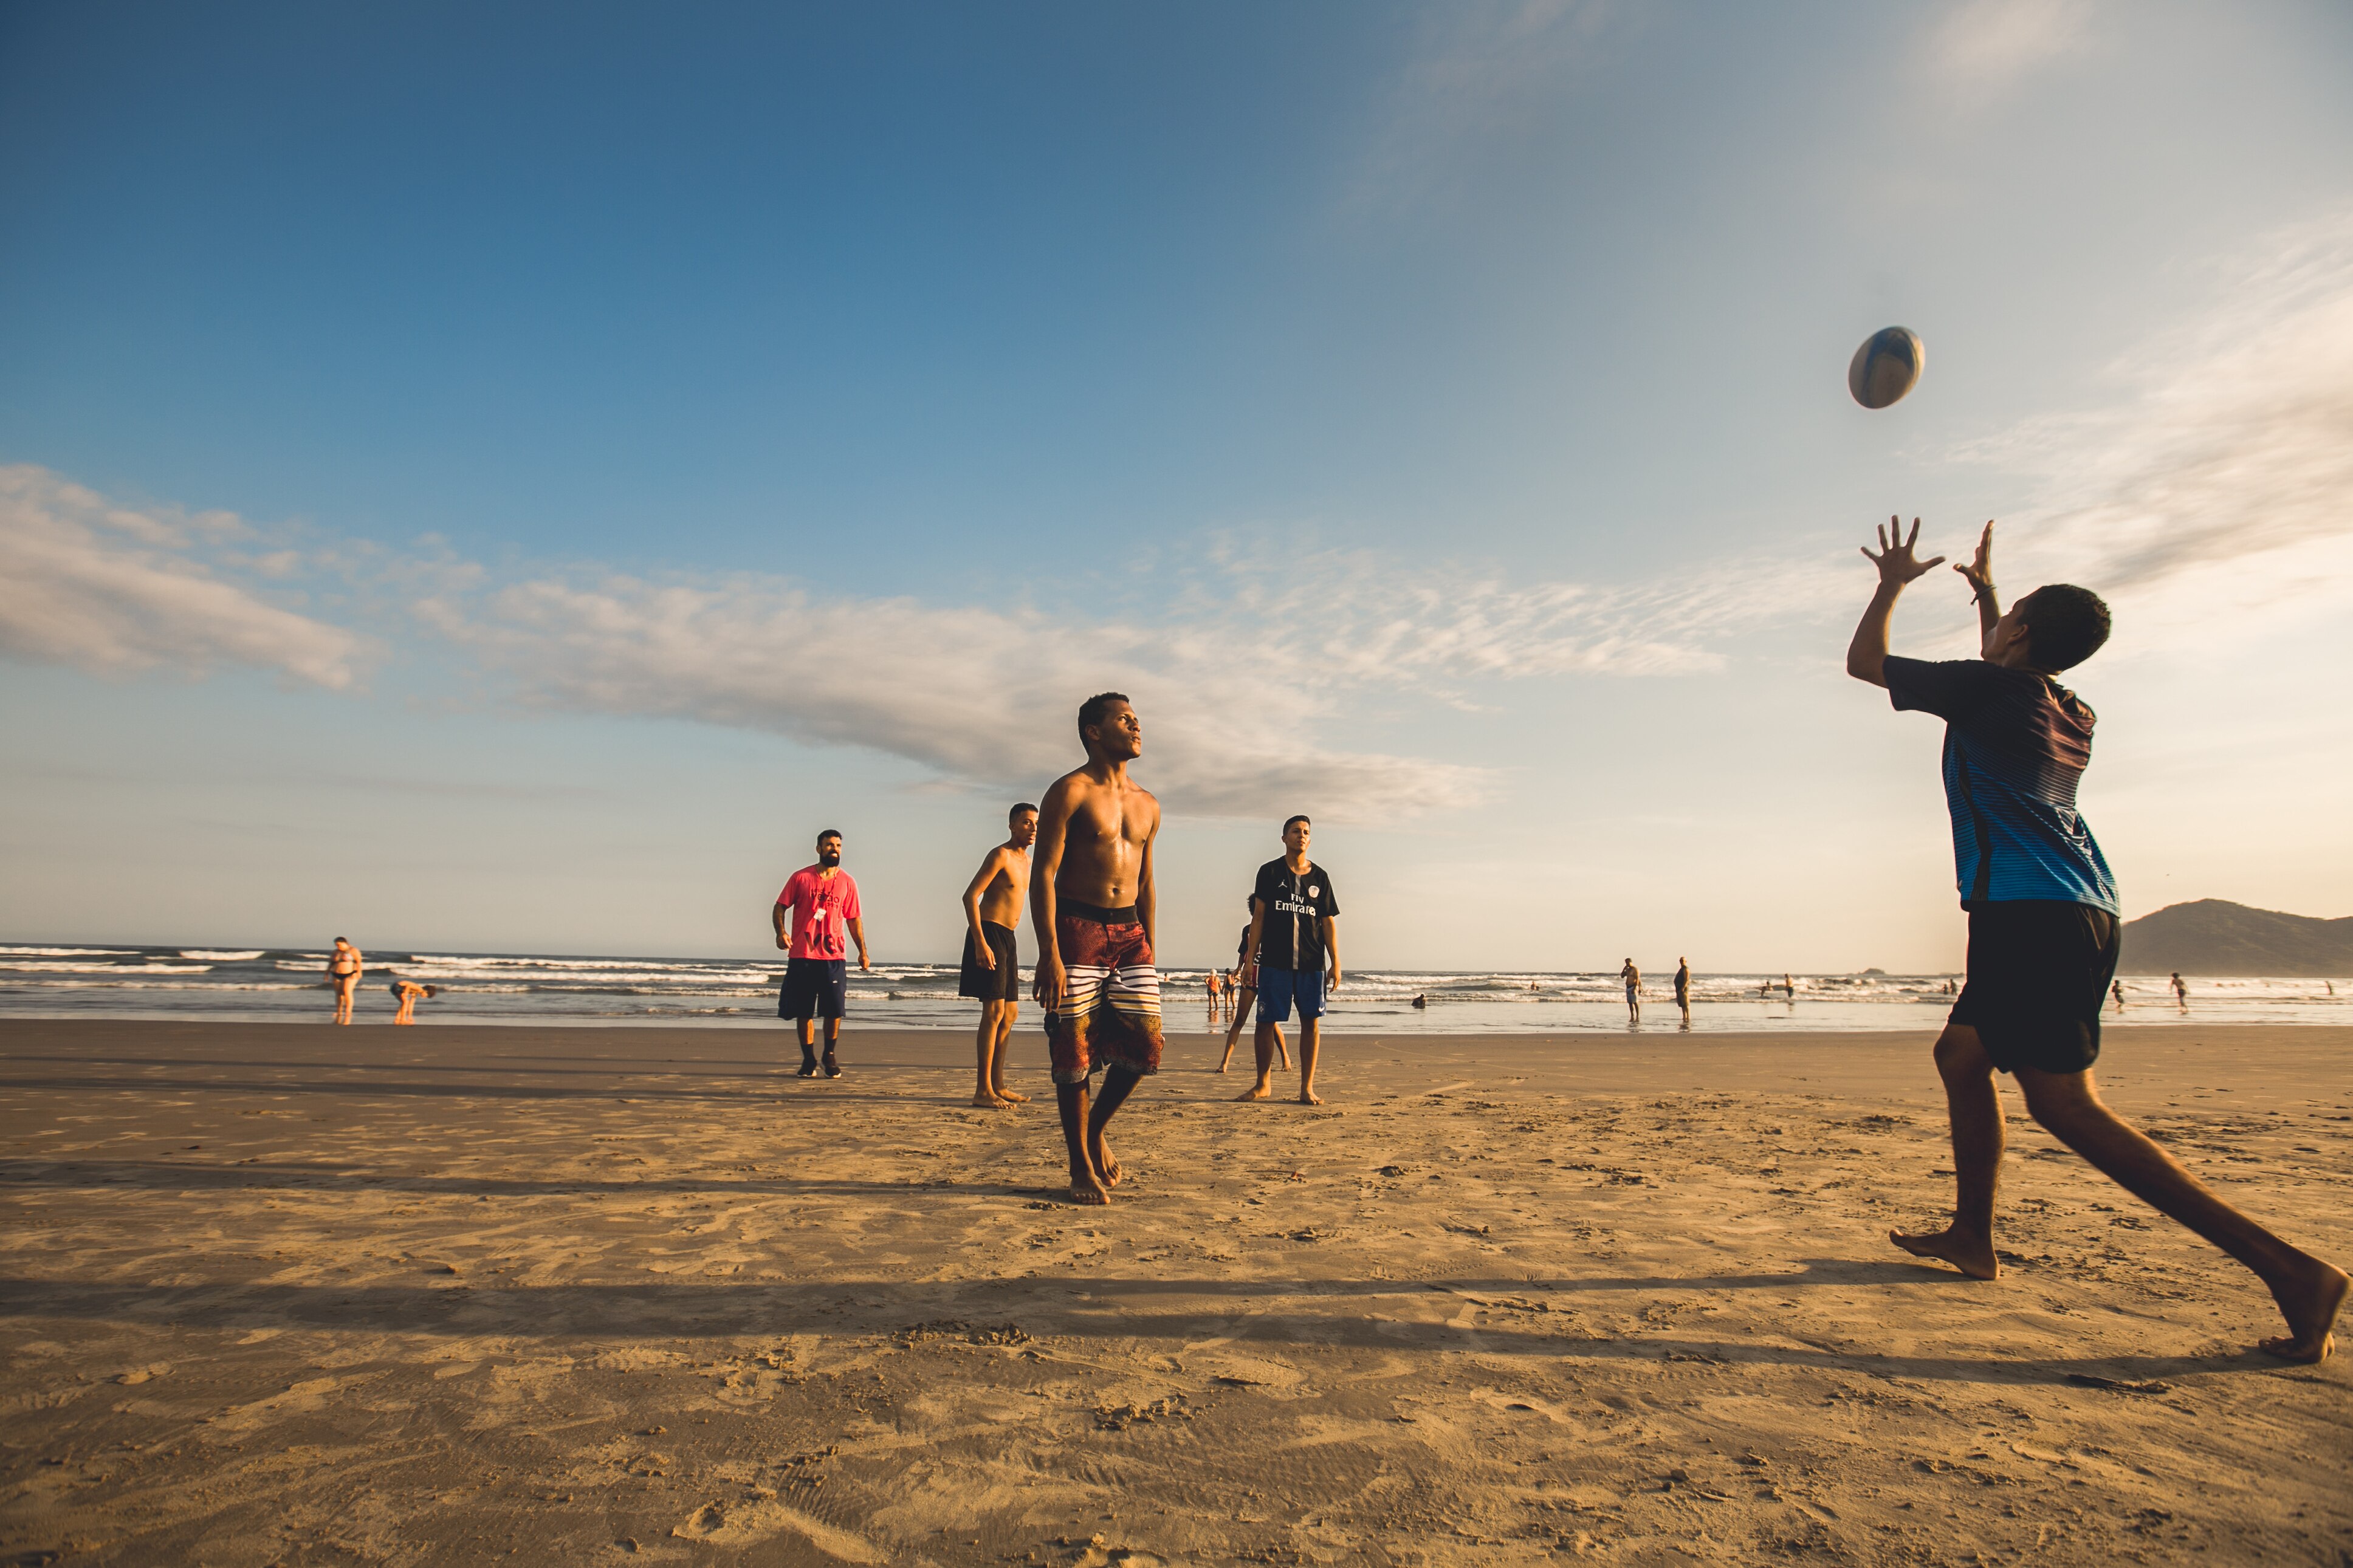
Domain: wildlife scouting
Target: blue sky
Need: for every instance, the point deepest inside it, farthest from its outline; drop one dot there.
(504, 477)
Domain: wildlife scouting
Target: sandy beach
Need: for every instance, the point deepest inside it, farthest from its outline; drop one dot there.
(292, 1294)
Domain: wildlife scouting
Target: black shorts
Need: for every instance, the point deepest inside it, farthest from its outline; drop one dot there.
(814, 988)
(2039, 974)
(1002, 983)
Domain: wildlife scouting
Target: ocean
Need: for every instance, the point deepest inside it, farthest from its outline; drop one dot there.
(265, 984)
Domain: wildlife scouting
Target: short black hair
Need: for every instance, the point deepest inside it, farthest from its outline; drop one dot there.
(1018, 807)
(1289, 820)
(1096, 709)
(2066, 624)
(828, 832)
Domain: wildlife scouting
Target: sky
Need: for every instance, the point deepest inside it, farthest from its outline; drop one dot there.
(504, 478)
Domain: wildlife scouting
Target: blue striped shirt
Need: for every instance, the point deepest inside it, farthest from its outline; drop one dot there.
(2016, 745)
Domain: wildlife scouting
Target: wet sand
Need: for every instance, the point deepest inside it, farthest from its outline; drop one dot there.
(293, 1294)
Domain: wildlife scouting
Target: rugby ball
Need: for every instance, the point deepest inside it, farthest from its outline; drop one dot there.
(1887, 366)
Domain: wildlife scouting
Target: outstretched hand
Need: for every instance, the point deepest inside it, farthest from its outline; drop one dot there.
(1895, 561)
(1979, 571)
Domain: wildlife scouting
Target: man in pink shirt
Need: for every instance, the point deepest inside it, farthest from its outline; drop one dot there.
(814, 913)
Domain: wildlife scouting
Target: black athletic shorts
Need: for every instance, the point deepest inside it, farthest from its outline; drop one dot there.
(2039, 974)
(1002, 983)
(814, 988)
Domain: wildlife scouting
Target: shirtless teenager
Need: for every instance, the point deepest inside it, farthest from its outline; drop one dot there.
(992, 959)
(2044, 927)
(1634, 979)
(1092, 902)
(345, 966)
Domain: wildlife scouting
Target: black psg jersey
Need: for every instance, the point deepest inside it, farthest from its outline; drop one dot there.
(1294, 902)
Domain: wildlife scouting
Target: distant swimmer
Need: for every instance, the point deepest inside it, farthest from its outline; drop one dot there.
(345, 967)
(2116, 990)
(821, 903)
(2043, 929)
(1683, 988)
(2180, 991)
(1634, 979)
(1421, 1000)
(1094, 907)
(992, 957)
(409, 993)
(1297, 945)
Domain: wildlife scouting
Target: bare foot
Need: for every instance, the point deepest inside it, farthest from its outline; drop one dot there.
(1258, 1090)
(1309, 1097)
(1104, 1163)
(1087, 1190)
(987, 1101)
(1972, 1257)
(1009, 1097)
(2310, 1306)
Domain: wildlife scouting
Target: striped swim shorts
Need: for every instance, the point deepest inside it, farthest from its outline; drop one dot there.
(1110, 1012)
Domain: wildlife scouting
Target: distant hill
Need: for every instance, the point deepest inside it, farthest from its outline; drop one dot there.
(2212, 937)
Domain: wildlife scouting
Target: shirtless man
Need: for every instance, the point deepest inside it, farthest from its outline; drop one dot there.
(1092, 902)
(1634, 979)
(992, 960)
(1683, 988)
(2045, 929)
(2181, 992)
(344, 968)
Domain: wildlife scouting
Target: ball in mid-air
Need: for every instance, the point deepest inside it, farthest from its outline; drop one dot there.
(1886, 367)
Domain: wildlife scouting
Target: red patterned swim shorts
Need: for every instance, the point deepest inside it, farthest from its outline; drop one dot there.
(1109, 1011)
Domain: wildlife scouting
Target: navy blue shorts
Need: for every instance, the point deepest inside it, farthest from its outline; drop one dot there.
(814, 988)
(1279, 988)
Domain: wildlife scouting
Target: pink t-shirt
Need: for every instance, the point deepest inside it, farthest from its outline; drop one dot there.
(822, 909)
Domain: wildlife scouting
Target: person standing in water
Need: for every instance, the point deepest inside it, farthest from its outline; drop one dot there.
(1634, 979)
(2181, 992)
(1092, 901)
(818, 907)
(2116, 990)
(2045, 929)
(1297, 945)
(1683, 988)
(992, 957)
(345, 966)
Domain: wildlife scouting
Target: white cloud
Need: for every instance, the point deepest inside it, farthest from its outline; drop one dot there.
(1984, 46)
(1235, 682)
(2230, 457)
(977, 695)
(116, 590)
